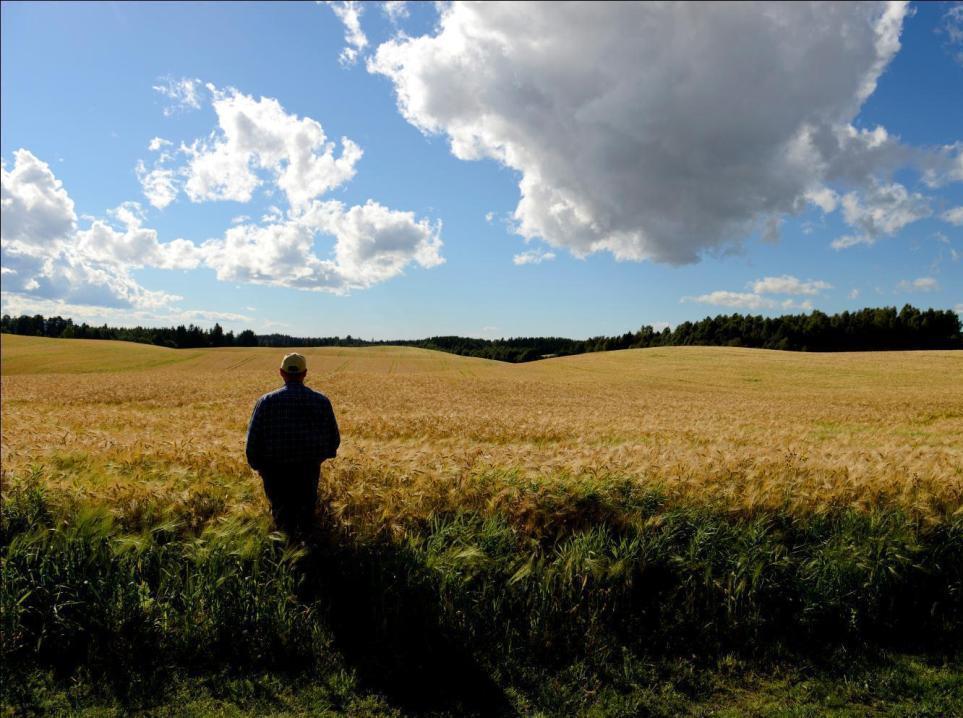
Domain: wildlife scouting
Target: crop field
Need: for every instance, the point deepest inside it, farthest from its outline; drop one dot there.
(576, 525)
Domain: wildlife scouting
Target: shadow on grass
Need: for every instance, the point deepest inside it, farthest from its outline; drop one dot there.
(383, 613)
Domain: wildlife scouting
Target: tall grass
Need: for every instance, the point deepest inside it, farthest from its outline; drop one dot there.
(80, 590)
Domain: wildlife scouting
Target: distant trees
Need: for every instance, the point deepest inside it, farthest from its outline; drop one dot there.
(867, 329)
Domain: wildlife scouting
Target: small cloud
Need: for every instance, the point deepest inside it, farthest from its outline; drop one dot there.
(824, 198)
(349, 13)
(159, 185)
(489, 216)
(240, 219)
(274, 215)
(953, 216)
(183, 94)
(952, 27)
(850, 240)
(854, 294)
(922, 284)
(881, 211)
(395, 10)
(158, 143)
(756, 299)
(737, 300)
(787, 284)
(535, 256)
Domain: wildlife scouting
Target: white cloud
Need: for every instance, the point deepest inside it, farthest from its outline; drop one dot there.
(259, 135)
(135, 246)
(952, 26)
(955, 215)
(883, 209)
(535, 256)
(63, 273)
(489, 216)
(372, 244)
(756, 299)
(183, 94)
(258, 144)
(395, 10)
(851, 240)
(48, 258)
(738, 300)
(36, 208)
(158, 143)
(787, 284)
(824, 198)
(675, 128)
(923, 284)
(854, 294)
(349, 13)
(159, 184)
(747, 300)
(16, 304)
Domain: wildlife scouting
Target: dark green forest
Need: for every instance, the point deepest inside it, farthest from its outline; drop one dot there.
(870, 329)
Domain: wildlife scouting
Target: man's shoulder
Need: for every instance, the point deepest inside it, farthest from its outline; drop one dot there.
(294, 392)
(271, 396)
(316, 395)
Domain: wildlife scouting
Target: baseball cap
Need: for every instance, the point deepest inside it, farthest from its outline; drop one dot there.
(294, 364)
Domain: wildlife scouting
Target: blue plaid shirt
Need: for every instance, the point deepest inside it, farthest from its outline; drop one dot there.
(293, 425)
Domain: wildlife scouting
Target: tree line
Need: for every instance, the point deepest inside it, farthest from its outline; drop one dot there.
(870, 329)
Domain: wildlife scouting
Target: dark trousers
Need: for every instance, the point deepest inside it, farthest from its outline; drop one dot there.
(293, 493)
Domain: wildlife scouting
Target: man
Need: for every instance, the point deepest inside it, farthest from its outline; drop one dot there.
(292, 431)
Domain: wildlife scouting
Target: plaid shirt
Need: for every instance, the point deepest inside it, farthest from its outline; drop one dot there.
(293, 425)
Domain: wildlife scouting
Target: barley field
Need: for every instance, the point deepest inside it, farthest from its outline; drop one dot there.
(732, 499)
(425, 431)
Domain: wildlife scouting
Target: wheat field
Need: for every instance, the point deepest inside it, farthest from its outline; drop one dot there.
(425, 432)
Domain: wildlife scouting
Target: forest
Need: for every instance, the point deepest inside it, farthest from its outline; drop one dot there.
(870, 329)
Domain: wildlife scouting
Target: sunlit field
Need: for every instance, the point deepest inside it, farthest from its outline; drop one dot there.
(427, 432)
(643, 500)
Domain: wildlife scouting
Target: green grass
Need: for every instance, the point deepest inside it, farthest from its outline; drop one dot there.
(682, 610)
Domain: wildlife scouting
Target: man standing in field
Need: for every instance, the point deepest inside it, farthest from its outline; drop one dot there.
(292, 431)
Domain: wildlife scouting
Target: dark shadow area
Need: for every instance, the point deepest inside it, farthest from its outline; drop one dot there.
(383, 612)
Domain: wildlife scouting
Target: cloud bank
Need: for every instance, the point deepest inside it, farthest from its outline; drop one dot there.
(756, 298)
(47, 256)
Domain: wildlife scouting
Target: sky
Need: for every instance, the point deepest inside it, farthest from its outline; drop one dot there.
(402, 170)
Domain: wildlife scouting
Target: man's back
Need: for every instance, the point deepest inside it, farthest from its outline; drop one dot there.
(292, 425)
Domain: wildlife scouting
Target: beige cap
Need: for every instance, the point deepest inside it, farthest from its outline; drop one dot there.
(294, 364)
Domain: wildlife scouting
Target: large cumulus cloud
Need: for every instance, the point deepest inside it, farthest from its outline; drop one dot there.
(657, 130)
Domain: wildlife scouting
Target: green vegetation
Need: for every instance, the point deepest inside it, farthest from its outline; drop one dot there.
(620, 604)
(866, 330)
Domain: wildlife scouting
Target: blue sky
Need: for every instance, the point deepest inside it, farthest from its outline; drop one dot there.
(526, 169)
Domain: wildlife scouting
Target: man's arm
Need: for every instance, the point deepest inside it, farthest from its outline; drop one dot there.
(332, 436)
(254, 438)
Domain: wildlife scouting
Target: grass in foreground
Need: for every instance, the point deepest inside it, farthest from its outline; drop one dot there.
(683, 610)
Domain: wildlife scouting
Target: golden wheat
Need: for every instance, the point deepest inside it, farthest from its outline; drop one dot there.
(425, 432)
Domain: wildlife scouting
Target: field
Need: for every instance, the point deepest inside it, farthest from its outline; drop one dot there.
(571, 528)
